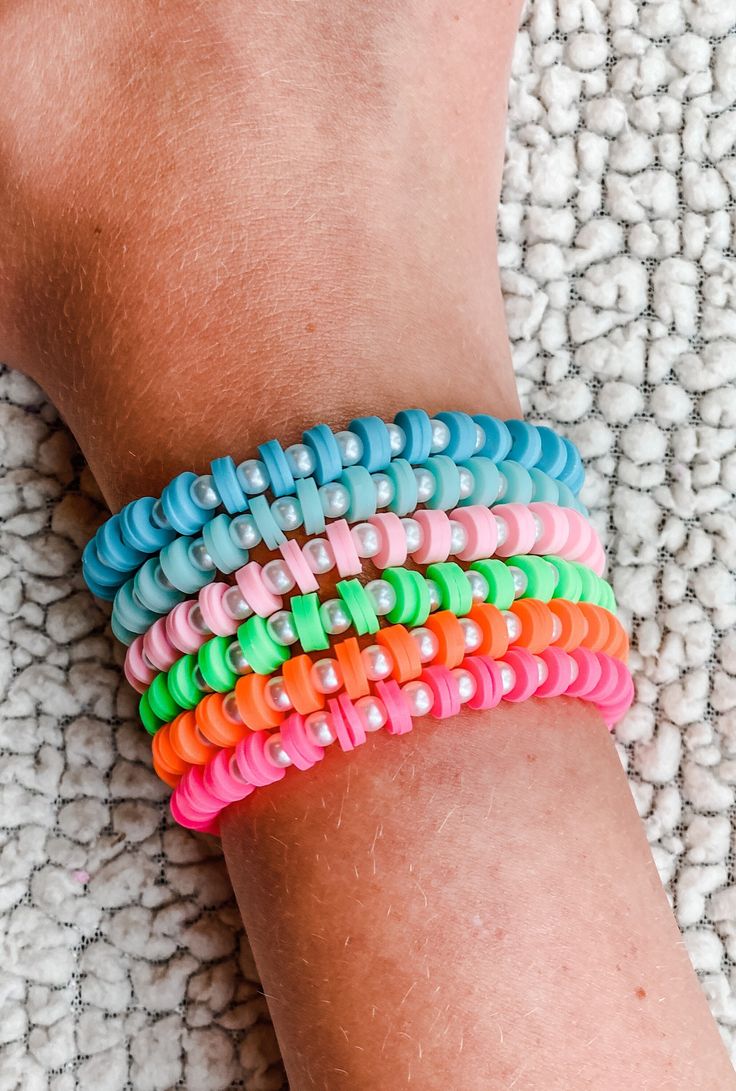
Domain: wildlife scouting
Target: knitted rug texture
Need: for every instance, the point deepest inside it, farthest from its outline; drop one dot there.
(122, 961)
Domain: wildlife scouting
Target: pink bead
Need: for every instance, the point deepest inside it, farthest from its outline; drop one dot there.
(255, 592)
(347, 558)
(303, 575)
(559, 673)
(555, 528)
(252, 762)
(392, 553)
(187, 816)
(137, 671)
(614, 712)
(488, 684)
(527, 675)
(596, 558)
(180, 632)
(399, 721)
(444, 689)
(158, 646)
(437, 533)
(607, 690)
(521, 529)
(222, 780)
(589, 673)
(303, 752)
(581, 536)
(481, 529)
(339, 725)
(212, 607)
(353, 722)
(192, 790)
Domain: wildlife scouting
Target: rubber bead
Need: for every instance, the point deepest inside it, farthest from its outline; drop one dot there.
(308, 624)
(450, 637)
(307, 494)
(162, 773)
(412, 596)
(442, 684)
(151, 593)
(137, 671)
(161, 746)
(158, 648)
(418, 431)
(101, 580)
(362, 492)
(589, 673)
(184, 817)
(619, 648)
(188, 742)
(461, 427)
(569, 584)
(572, 474)
(536, 624)
(252, 762)
(541, 578)
(347, 653)
(259, 648)
(214, 724)
(559, 672)
(213, 664)
(600, 624)
(455, 591)
(519, 485)
(606, 597)
(277, 467)
(304, 695)
(527, 676)
(555, 528)
(347, 558)
(148, 717)
(498, 438)
(178, 630)
(376, 442)
(179, 506)
(303, 575)
(392, 552)
(553, 457)
(161, 702)
(302, 751)
(436, 536)
(181, 684)
(191, 793)
(520, 529)
(500, 582)
(398, 716)
(446, 476)
(572, 624)
(213, 611)
(401, 474)
(223, 780)
(581, 537)
(254, 591)
(486, 482)
(123, 635)
(606, 690)
(403, 649)
(588, 582)
(352, 720)
(179, 570)
(220, 546)
(113, 550)
(495, 635)
(326, 453)
(488, 684)
(526, 444)
(339, 726)
(140, 530)
(566, 497)
(481, 530)
(132, 615)
(544, 488)
(253, 707)
(225, 477)
(268, 528)
(359, 606)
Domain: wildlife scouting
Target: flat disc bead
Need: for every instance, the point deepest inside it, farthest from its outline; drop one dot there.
(525, 670)
(450, 637)
(526, 443)
(179, 632)
(497, 437)
(481, 530)
(553, 456)
(446, 476)
(555, 527)
(328, 463)
(339, 726)
(268, 528)
(352, 720)
(355, 679)
(147, 716)
(501, 591)
(541, 578)
(183, 513)
(259, 647)
(139, 529)
(407, 662)
(461, 427)
(521, 529)
(347, 559)
(418, 431)
(442, 684)
(297, 744)
(412, 596)
(159, 648)
(297, 565)
(121, 634)
(492, 625)
(602, 627)
(252, 761)
(133, 616)
(220, 546)
(307, 494)
(220, 781)
(214, 724)
(605, 692)
(488, 685)
(559, 672)
(545, 488)
(179, 570)
(392, 536)
(436, 536)
(212, 662)
(150, 591)
(589, 673)
(161, 702)
(401, 475)
(569, 584)
(213, 610)
(298, 680)
(376, 440)
(362, 492)
(486, 482)
(225, 477)
(254, 709)
(308, 623)
(102, 580)
(113, 550)
(519, 485)
(255, 592)
(277, 467)
(456, 593)
(398, 716)
(536, 624)
(137, 671)
(580, 539)
(189, 820)
(572, 473)
(359, 606)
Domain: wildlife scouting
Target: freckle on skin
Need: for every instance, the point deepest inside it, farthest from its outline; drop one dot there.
(640, 992)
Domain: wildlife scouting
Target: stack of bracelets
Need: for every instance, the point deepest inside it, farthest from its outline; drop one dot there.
(484, 585)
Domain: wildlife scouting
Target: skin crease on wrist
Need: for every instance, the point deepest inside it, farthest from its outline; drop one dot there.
(221, 223)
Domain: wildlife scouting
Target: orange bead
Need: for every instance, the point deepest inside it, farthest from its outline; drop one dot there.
(214, 724)
(164, 774)
(451, 636)
(250, 695)
(491, 623)
(347, 653)
(600, 629)
(165, 754)
(188, 741)
(572, 623)
(305, 697)
(403, 649)
(537, 624)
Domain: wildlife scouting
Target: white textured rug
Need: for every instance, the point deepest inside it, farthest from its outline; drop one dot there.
(122, 964)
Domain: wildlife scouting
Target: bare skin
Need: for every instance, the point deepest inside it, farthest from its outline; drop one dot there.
(218, 224)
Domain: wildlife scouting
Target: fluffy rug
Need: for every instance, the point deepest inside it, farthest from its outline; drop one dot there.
(122, 963)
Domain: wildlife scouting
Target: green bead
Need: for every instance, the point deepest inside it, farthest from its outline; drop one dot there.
(359, 606)
(541, 579)
(259, 647)
(213, 664)
(607, 599)
(500, 582)
(162, 703)
(308, 624)
(182, 686)
(589, 590)
(456, 593)
(412, 596)
(149, 719)
(569, 584)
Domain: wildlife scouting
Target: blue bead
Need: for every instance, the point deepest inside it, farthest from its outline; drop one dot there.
(566, 497)
(554, 452)
(185, 516)
(446, 475)
(220, 546)
(104, 578)
(121, 634)
(400, 473)
(179, 569)
(376, 442)
(462, 435)
(498, 437)
(487, 481)
(573, 473)
(526, 446)
(139, 529)
(519, 487)
(99, 590)
(359, 483)
(113, 550)
(129, 613)
(150, 592)
(545, 487)
(326, 453)
(268, 528)
(226, 482)
(307, 494)
(418, 431)
(274, 459)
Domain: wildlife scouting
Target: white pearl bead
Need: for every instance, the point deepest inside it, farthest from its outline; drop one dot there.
(440, 436)
(377, 661)
(397, 439)
(159, 515)
(372, 713)
(520, 581)
(480, 438)
(253, 476)
(538, 527)
(302, 462)
(287, 511)
(502, 528)
(382, 595)
(204, 493)
(234, 770)
(508, 677)
(236, 660)
(319, 555)
(427, 643)
(244, 532)
(198, 679)
(276, 695)
(326, 675)
(335, 499)
(367, 539)
(414, 534)
(467, 482)
(335, 617)
(319, 728)
(542, 670)
(472, 634)
(502, 486)
(235, 604)
(555, 573)
(274, 752)
(434, 595)
(199, 556)
(197, 622)
(351, 447)
(281, 628)
(385, 490)
(574, 669)
(466, 684)
(478, 585)
(458, 536)
(556, 629)
(160, 578)
(420, 698)
(230, 709)
(277, 577)
(426, 484)
(513, 626)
